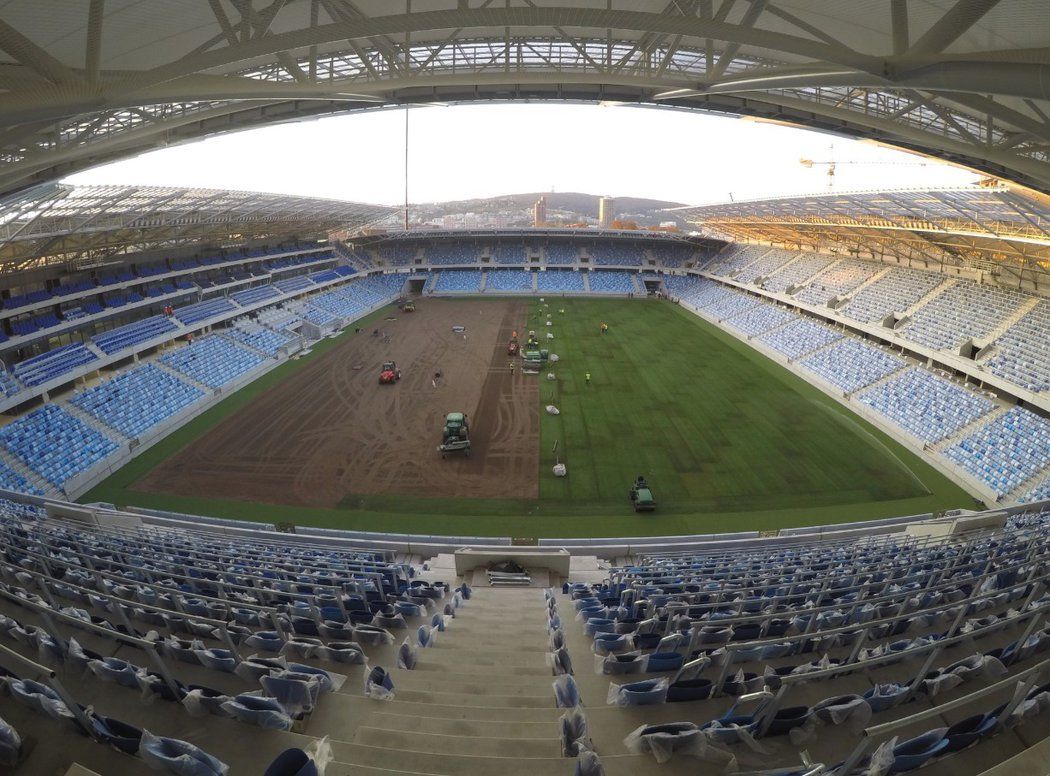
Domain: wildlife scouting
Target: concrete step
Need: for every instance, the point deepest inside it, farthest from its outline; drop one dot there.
(442, 763)
(440, 743)
(483, 659)
(484, 728)
(440, 681)
(532, 699)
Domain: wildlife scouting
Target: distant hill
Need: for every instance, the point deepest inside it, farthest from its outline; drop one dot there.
(578, 203)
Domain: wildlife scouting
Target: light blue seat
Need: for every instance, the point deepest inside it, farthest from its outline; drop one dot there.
(179, 757)
(256, 710)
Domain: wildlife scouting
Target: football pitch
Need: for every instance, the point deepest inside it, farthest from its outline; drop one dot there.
(728, 439)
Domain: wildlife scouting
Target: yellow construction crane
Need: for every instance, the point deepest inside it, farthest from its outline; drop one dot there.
(831, 164)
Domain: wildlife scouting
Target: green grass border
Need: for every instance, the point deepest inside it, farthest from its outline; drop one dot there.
(517, 518)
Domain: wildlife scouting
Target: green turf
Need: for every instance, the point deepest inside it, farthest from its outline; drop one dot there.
(729, 439)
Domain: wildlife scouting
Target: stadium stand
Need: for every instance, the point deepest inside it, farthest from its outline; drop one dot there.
(54, 444)
(927, 406)
(504, 253)
(133, 333)
(894, 292)
(759, 319)
(137, 400)
(53, 364)
(735, 258)
(672, 256)
(400, 255)
(614, 254)
(841, 278)
(962, 312)
(610, 282)
(1005, 452)
(799, 337)
(257, 337)
(559, 281)
(260, 294)
(1022, 354)
(561, 254)
(451, 253)
(458, 281)
(201, 311)
(212, 360)
(768, 264)
(852, 364)
(503, 280)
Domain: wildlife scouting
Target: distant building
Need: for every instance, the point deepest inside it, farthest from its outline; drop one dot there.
(539, 212)
(606, 212)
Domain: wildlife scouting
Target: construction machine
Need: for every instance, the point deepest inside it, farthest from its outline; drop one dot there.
(513, 347)
(389, 373)
(455, 437)
(641, 495)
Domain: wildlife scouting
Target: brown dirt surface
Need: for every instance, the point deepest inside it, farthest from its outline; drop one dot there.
(330, 430)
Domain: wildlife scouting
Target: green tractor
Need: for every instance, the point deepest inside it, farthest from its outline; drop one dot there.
(641, 496)
(455, 438)
(533, 359)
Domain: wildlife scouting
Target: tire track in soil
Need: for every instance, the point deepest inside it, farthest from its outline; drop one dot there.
(329, 432)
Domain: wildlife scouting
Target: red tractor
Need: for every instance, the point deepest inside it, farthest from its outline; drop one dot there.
(389, 374)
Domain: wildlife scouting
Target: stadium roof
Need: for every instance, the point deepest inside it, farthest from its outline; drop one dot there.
(57, 223)
(988, 228)
(84, 81)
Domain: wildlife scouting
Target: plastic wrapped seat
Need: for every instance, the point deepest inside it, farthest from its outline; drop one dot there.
(885, 696)
(916, 752)
(623, 664)
(39, 698)
(342, 652)
(330, 681)
(968, 731)
(179, 757)
(292, 762)
(120, 735)
(10, 745)
(336, 630)
(566, 694)
(647, 692)
(663, 741)
(217, 659)
(378, 684)
(200, 700)
(664, 661)
(256, 710)
(296, 695)
(268, 641)
(372, 635)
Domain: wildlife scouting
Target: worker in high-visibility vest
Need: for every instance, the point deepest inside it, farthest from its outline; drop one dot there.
(587, 377)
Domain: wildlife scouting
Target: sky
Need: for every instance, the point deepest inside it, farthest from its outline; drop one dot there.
(468, 151)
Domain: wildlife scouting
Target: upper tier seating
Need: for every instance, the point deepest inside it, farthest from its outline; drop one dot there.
(561, 254)
(760, 318)
(735, 257)
(1005, 452)
(54, 363)
(451, 253)
(399, 254)
(894, 292)
(837, 280)
(799, 271)
(615, 254)
(133, 333)
(766, 265)
(54, 444)
(135, 401)
(201, 311)
(508, 253)
(852, 364)
(503, 280)
(610, 282)
(255, 295)
(458, 281)
(15, 301)
(559, 281)
(212, 360)
(293, 284)
(927, 406)
(672, 256)
(964, 311)
(1022, 354)
(799, 337)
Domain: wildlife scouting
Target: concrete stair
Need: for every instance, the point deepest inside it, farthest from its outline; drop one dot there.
(14, 462)
(966, 431)
(90, 420)
(185, 378)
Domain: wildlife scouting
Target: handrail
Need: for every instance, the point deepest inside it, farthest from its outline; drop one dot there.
(1025, 680)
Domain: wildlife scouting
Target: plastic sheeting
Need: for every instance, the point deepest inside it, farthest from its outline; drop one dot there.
(296, 694)
(179, 757)
(588, 764)
(40, 698)
(200, 703)
(645, 693)
(619, 665)
(677, 738)
(342, 652)
(574, 734)
(560, 661)
(254, 667)
(267, 713)
(379, 685)
(10, 745)
(372, 635)
(566, 694)
(407, 656)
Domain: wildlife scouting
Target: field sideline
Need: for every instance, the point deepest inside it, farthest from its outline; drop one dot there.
(730, 441)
